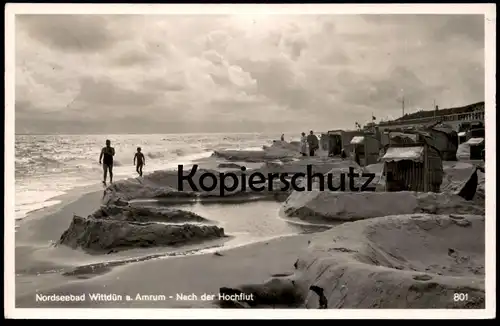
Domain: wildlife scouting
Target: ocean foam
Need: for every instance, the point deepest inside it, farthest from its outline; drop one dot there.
(49, 166)
(29, 201)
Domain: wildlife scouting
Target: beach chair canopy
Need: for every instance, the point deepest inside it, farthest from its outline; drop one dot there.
(462, 134)
(475, 141)
(403, 135)
(395, 154)
(357, 140)
(444, 128)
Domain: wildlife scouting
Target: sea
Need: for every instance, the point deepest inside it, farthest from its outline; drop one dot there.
(48, 166)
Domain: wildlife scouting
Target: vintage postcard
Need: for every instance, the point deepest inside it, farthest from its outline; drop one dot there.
(201, 161)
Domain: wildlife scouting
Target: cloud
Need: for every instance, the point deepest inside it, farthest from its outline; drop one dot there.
(80, 33)
(138, 73)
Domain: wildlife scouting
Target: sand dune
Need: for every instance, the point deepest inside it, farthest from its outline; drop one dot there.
(405, 261)
(348, 206)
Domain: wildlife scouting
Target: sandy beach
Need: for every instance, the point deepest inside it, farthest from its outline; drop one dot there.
(272, 249)
(193, 274)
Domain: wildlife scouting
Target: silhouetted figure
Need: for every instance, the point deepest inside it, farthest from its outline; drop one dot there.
(106, 159)
(313, 143)
(323, 302)
(139, 161)
(469, 189)
(282, 137)
(356, 157)
(303, 144)
(343, 155)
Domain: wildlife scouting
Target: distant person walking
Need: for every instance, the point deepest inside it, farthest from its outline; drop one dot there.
(303, 144)
(313, 143)
(282, 137)
(106, 159)
(139, 161)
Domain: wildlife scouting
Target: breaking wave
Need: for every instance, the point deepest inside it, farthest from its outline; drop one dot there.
(54, 164)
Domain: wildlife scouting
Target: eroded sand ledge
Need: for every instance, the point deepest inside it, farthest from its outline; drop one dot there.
(279, 150)
(406, 261)
(165, 184)
(349, 206)
(116, 228)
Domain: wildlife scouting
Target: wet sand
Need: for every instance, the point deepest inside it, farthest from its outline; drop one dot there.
(204, 268)
(200, 274)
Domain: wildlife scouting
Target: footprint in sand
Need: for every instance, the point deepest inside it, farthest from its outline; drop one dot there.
(282, 274)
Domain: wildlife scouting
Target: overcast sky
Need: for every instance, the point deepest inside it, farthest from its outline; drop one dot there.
(206, 73)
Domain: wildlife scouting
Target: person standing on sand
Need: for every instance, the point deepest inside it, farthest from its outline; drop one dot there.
(282, 137)
(303, 144)
(106, 158)
(141, 161)
(356, 157)
(313, 143)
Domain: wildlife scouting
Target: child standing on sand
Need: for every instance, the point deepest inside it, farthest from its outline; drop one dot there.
(140, 159)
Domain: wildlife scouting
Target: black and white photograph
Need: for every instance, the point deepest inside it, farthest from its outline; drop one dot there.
(292, 158)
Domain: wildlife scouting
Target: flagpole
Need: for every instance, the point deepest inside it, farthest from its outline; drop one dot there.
(403, 103)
